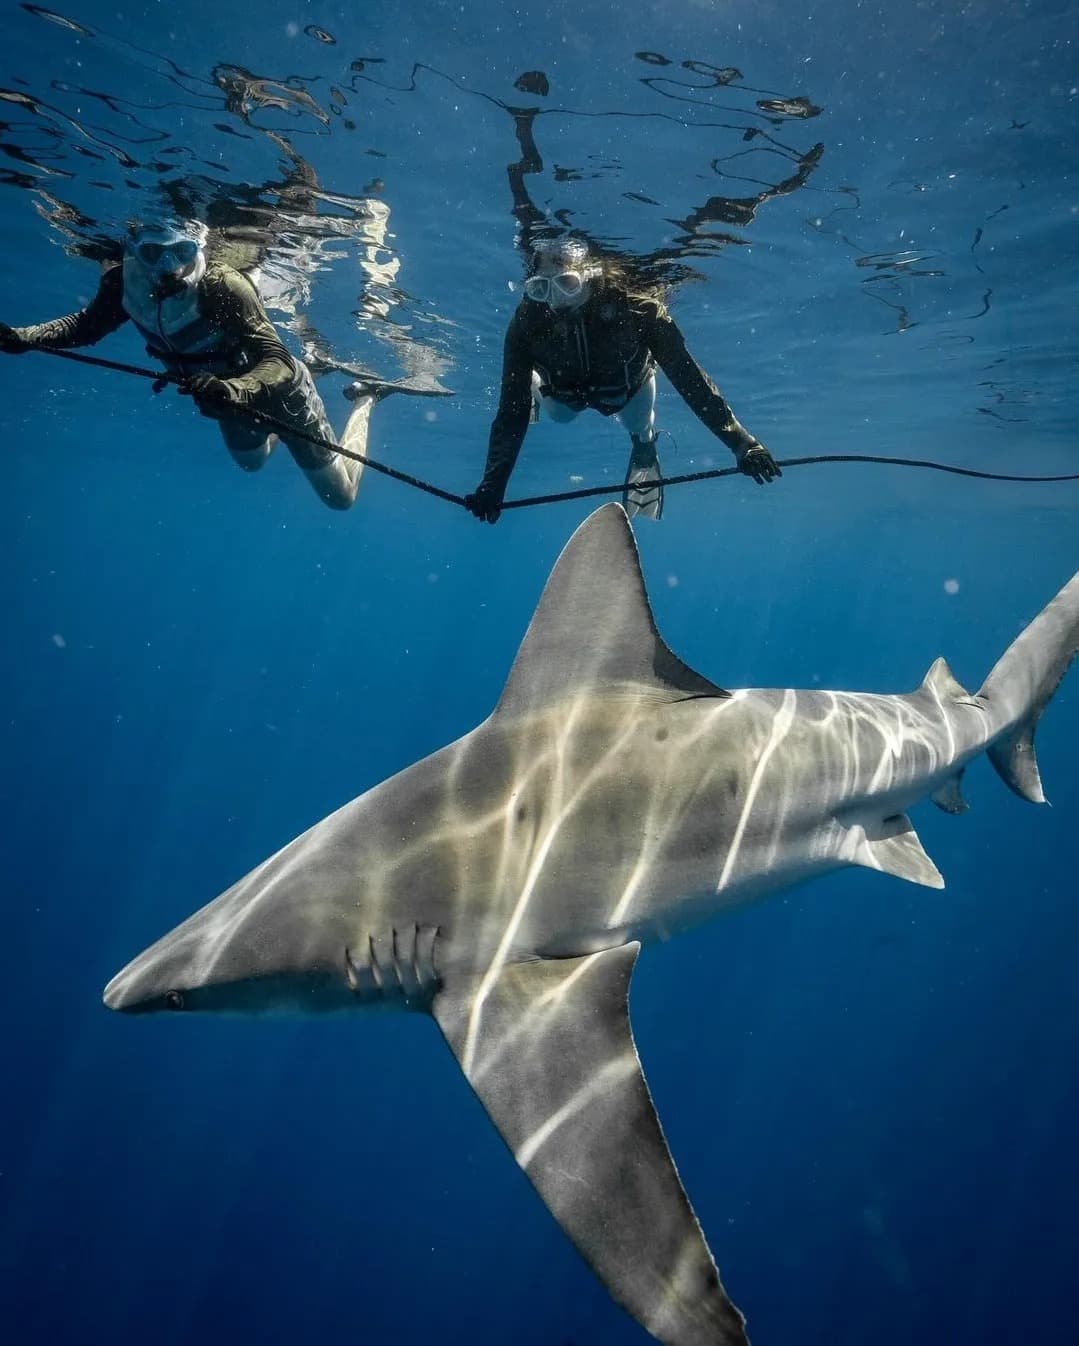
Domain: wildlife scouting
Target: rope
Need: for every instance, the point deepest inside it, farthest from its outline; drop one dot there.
(586, 492)
(271, 422)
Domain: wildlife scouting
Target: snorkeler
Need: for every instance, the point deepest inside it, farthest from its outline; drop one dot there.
(581, 339)
(205, 322)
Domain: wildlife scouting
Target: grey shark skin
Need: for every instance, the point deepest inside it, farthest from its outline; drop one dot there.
(505, 884)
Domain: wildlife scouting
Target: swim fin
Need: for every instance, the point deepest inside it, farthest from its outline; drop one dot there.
(641, 495)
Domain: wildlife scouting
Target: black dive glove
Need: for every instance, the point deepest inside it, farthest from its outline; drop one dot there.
(213, 396)
(10, 341)
(758, 463)
(485, 502)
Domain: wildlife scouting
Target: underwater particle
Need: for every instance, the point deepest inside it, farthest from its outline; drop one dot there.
(292, 29)
(576, 478)
(59, 641)
(672, 581)
(951, 586)
(430, 416)
(432, 577)
(320, 35)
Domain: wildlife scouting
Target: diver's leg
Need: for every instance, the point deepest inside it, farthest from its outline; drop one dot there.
(551, 406)
(249, 445)
(641, 495)
(335, 479)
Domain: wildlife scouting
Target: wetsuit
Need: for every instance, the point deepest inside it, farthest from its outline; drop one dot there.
(598, 355)
(219, 328)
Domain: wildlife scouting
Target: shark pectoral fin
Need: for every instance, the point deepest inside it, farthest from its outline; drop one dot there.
(895, 849)
(949, 795)
(548, 1048)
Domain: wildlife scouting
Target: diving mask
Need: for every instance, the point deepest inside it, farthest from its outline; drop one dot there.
(568, 284)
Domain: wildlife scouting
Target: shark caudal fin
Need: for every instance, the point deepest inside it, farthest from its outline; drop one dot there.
(1020, 685)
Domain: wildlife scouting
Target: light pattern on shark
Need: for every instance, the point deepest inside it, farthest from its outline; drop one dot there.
(505, 884)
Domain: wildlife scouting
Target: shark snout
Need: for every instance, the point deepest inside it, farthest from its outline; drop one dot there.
(157, 979)
(132, 989)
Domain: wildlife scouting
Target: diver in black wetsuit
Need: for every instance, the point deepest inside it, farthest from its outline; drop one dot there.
(579, 339)
(205, 322)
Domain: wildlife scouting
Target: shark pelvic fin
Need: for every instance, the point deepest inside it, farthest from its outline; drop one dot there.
(548, 1048)
(895, 849)
(949, 795)
(942, 682)
(593, 628)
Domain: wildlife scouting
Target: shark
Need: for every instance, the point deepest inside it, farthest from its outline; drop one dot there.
(505, 884)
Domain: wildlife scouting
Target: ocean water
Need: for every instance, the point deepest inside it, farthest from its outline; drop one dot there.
(869, 1088)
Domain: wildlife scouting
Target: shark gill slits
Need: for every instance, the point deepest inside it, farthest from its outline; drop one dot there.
(400, 963)
(350, 973)
(174, 1000)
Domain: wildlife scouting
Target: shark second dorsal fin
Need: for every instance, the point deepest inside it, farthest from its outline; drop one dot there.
(942, 682)
(593, 628)
(548, 1048)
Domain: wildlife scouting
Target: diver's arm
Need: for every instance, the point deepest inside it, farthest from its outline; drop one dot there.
(238, 312)
(510, 424)
(102, 315)
(662, 336)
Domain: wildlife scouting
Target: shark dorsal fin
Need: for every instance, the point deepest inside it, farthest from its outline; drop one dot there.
(593, 628)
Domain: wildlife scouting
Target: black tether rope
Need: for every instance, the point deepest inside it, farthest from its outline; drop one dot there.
(584, 493)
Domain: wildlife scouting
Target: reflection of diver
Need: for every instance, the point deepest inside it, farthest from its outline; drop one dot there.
(205, 322)
(282, 232)
(579, 339)
(534, 223)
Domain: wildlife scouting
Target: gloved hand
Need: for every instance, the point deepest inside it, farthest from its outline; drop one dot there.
(485, 502)
(758, 463)
(213, 396)
(10, 341)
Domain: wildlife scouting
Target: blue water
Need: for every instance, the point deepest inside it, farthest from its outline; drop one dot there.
(870, 1088)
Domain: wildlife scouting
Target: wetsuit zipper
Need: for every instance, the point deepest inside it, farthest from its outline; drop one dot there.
(583, 354)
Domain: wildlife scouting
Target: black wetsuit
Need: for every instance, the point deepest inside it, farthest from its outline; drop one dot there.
(239, 343)
(597, 355)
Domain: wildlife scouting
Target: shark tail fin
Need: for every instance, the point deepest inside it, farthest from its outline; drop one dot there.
(1021, 684)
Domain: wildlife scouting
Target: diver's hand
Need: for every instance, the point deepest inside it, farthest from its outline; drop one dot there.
(213, 396)
(758, 463)
(10, 341)
(485, 502)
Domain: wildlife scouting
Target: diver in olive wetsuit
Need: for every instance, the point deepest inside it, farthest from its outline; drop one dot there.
(206, 323)
(579, 339)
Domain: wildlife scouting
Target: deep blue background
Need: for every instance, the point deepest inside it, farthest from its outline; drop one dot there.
(869, 1088)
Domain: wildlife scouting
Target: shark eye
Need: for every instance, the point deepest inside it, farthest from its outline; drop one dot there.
(174, 1000)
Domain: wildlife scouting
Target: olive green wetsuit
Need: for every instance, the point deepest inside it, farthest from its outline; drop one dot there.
(229, 336)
